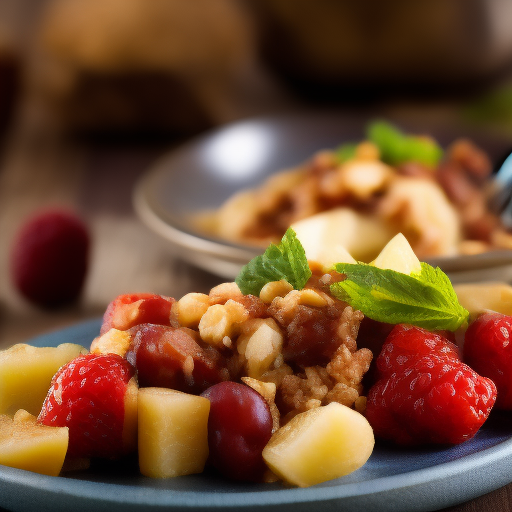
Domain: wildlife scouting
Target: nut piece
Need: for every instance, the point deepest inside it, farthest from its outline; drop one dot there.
(113, 341)
(190, 308)
(275, 289)
(221, 320)
(261, 343)
(223, 292)
(310, 297)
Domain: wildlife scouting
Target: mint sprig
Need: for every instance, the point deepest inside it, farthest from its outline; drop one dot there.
(397, 147)
(286, 260)
(426, 299)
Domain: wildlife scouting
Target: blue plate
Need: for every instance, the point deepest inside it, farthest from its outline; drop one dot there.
(392, 480)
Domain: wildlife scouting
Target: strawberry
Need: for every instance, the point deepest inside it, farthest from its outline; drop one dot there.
(49, 258)
(128, 310)
(424, 392)
(488, 349)
(93, 395)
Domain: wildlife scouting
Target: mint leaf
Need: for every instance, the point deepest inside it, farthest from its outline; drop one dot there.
(396, 147)
(426, 299)
(286, 260)
(346, 152)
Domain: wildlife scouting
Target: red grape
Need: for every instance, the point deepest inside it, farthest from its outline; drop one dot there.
(171, 358)
(239, 427)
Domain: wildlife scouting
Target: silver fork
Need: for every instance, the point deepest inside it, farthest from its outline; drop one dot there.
(500, 192)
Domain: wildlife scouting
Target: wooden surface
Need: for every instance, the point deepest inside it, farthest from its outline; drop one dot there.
(41, 169)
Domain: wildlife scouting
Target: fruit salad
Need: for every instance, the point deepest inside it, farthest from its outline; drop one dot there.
(289, 373)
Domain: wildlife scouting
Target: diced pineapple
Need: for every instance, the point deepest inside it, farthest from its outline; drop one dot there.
(173, 432)
(26, 373)
(319, 445)
(479, 297)
(398, 255)
(24, 444)
(341, 235)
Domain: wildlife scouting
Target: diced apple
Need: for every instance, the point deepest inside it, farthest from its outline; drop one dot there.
(341, 236)
(173, 432)
(479, 297)
(26, 373)
(319, 445)
(24, 444)
(398, 255)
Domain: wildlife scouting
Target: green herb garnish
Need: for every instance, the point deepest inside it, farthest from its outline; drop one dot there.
(345, 152)
(396, 147)
(426, 299)
(286, 260)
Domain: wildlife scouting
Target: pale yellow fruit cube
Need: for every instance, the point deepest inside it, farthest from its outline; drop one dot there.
(341, 235)
(398, 255)
(319, 445)
(24, 444)
(173, 432)
(480, 297)
(26, 373)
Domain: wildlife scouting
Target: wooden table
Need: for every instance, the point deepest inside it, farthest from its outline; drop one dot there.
(41, 169)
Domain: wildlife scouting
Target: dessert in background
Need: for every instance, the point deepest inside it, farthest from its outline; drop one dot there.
(358, 196)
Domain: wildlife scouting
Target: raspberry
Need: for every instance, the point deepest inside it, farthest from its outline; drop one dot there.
(49, 258)
(425, 394)
(488, 350)
(406, 342)
(88, 395)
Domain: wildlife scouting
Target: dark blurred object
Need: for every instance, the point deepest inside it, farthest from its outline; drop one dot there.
(373, 47)
(9, 85)
(139, 66)
(50, 258)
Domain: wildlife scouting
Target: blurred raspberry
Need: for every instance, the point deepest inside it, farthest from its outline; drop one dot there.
(49, 258)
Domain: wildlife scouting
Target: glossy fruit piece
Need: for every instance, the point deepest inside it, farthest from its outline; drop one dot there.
(126, 311)
(49, 258)
(398, 255)
(239, 427)
(319, 445)
(169, 357)
(477, 298)
(406, 343)
(95, 397)
(26, 445)
(425, 394)
(173, 432)
(26, 374)
(488, 350)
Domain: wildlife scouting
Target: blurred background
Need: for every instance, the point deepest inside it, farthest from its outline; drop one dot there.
(93, 92)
